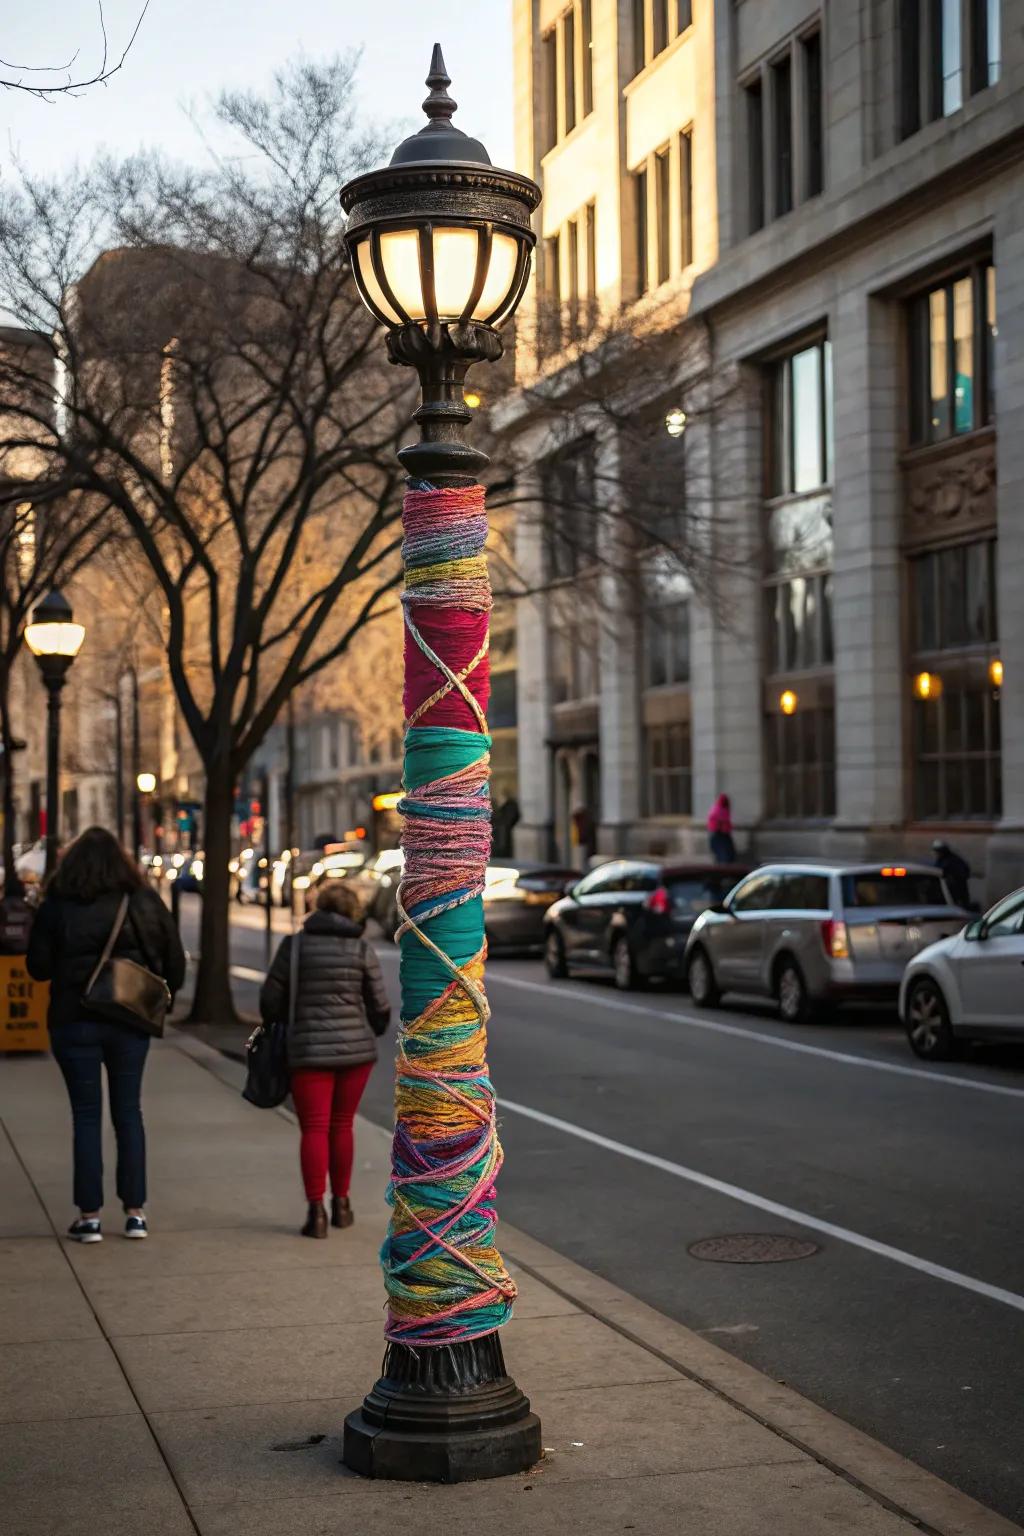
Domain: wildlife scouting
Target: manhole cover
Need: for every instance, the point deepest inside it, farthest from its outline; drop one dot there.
(753, 1248)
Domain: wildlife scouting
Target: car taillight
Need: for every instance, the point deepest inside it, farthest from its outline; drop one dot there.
(835, 939)
(659, 901)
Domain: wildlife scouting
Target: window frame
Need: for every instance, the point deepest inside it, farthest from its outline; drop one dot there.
(920, 427)
(656, 25)
(567, 74)
(922, 64)
(668, 782)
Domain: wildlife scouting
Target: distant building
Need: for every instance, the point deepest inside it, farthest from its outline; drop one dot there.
(812, 218)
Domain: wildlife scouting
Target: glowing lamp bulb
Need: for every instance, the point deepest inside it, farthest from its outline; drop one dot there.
(675, 422)
(927, 685)
(788, 702)
(995, 672)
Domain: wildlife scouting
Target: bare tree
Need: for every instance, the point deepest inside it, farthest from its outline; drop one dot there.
(225, 393)
(70, 87)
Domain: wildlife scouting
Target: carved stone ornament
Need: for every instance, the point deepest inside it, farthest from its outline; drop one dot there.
(950, 494)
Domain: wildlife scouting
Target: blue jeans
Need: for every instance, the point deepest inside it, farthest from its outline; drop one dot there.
(81, 1049)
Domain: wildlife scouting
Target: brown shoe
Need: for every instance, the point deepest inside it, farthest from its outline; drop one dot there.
(341, 1211)
(316, 1220)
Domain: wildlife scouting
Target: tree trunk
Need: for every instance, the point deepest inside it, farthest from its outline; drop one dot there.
(7, 774)
(212, 1001)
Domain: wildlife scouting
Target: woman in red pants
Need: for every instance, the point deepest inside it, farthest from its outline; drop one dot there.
(341, 1006)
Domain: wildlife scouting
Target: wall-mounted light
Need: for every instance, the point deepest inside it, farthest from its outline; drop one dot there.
(927, 685)
(145, 783)
(473, 399)
(675, 422)
(788, 702)
(995, 672)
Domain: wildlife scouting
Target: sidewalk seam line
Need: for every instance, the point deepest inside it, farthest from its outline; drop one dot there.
(103, 1333)
(709, 1386)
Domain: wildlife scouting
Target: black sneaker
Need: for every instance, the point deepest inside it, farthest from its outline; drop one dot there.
(86, 1230)
(135, 1226)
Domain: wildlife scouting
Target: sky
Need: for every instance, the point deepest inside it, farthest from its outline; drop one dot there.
(187, 50)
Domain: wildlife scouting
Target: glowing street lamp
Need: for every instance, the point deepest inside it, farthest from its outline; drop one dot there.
(55, 640)
(440, 243)
(145, 783)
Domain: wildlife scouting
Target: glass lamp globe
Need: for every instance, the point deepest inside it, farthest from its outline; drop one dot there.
(440, 237)
(52, 631)
(145, 783)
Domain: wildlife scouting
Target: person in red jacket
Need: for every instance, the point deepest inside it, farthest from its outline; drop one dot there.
(720, 841)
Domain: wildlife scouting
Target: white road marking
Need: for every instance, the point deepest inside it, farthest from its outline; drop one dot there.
(246, 973)
(717, 1027)
(772, 1207)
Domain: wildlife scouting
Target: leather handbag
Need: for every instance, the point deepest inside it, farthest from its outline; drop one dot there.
(267, 1079)
(123, 992)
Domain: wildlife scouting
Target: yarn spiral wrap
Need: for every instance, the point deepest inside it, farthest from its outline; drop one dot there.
(445, 1279)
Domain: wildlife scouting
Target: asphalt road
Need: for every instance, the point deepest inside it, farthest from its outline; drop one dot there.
(635, 1127)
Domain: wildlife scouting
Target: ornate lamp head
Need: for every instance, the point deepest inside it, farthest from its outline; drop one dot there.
(440, 239)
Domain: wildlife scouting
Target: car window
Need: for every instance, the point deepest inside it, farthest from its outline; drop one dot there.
(893, 886)
(1006, 917)
(803, 893)
(696, 894)
(756, 894)
(619, 876)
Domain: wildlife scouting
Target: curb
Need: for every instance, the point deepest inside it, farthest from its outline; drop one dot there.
(896, 1484)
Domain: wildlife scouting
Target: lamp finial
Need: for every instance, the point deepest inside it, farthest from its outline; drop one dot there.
(439, 104)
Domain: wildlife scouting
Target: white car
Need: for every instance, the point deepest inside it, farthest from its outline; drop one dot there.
(970, 986)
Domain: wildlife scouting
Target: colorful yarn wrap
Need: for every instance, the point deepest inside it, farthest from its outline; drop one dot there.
(445, 1278)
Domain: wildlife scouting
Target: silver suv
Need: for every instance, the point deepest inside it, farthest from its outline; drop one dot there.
(809, 933)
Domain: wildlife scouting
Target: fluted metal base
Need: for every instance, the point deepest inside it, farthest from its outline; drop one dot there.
(445, 1415)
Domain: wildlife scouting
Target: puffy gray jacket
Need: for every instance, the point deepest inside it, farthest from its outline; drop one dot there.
(341, 1002)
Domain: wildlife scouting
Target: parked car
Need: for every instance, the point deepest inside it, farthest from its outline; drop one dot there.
(969, 986)
(377, 884)
(587, 928)
(809, 933)
(516, 900)
(655, 945)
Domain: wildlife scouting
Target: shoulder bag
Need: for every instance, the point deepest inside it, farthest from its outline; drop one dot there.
(267, 1079)
(123, 992)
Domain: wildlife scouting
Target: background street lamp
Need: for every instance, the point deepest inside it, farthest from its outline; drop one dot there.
(54, 640)
(440, 243)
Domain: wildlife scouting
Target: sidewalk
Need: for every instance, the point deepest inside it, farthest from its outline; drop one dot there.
(198, 1382)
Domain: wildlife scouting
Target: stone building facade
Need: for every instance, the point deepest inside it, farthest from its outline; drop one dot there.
(810, 214)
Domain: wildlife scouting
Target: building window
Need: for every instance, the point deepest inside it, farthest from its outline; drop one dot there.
(800, 623)
(662, 205)
(801, 780)
(590, 255)
(667, 756)
(814, 141)
(754, 98)
(572, 659)
(567, 70)
(782, 138)
(785, 133)
(952, 330)
(656, 23)
(667, 645)
(948, 48)
(800, 456)
(640, 192)
(663, 187)
(956, 741)
(573, 301)
(686, 197)
(569, 489)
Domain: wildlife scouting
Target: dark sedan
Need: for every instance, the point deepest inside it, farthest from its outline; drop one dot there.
(628, 919)
(517, 897)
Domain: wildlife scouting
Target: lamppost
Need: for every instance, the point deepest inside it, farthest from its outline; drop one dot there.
(440, 243)
(54, 640)
(145, 784)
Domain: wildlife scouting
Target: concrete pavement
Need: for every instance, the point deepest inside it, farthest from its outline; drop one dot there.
(198, 1382)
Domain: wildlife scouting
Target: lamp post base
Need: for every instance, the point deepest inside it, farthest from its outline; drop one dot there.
(446, 1414)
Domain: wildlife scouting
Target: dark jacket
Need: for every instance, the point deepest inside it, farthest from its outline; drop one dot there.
(341, 1003)
(957, 874)
(68, 938)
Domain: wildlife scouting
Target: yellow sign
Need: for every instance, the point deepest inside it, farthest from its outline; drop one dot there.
(23, 1005)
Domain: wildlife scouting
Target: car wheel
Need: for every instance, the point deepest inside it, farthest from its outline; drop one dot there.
(791, 992)
(928, 1028)
(554, 956)
(701, 980)
(627, 977)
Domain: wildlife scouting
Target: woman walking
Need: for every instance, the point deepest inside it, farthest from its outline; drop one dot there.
(73, 925)
(723, 849)
(341, 1006)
